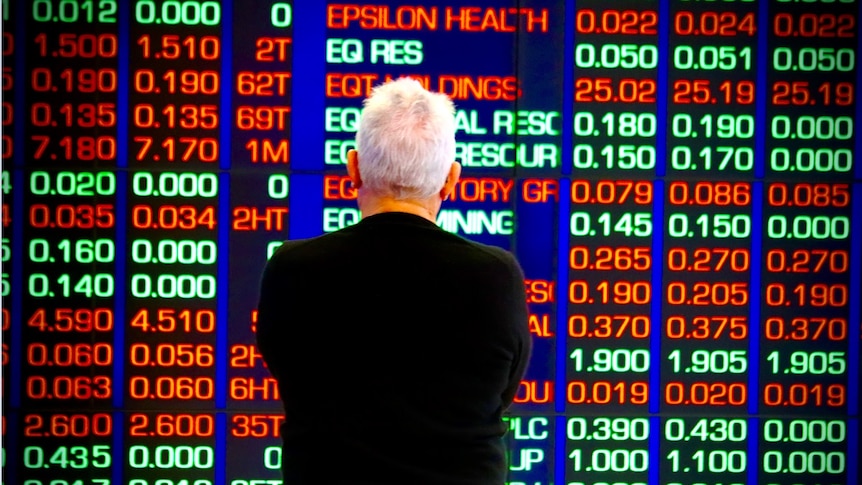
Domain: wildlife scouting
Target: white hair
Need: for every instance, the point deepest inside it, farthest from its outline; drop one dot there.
(405, 140)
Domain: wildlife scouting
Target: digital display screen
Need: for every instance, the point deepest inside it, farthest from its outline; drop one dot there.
(676, 177)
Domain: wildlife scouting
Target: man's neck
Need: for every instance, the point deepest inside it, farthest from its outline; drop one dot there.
(371, 205)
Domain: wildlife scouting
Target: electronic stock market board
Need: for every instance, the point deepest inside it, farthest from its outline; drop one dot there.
(677, 178)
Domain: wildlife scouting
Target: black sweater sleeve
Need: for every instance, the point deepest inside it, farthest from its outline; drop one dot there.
(523, 343)
(270, 311)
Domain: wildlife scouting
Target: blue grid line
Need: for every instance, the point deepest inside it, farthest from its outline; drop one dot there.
(566, 141)
(655, 434)
(307, 99)
(760, 93)
(568, 94)
(122, 195)
(562, 298)
(752, 450)
(225, 95)
(661, 91)
(754, 298)
(123, 86)
(858, 140)
(120, 292)
(121, 204)
(15, 313)
(855, 310)
(117, 450)
(222, 274)
(560, 450)
(654, 399)
(852, 451)
(20, 80)
(220, 448)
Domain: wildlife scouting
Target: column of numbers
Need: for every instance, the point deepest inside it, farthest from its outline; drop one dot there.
(173, 193)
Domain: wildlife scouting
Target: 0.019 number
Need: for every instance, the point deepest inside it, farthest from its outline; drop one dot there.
(606, 392)
(803, 395)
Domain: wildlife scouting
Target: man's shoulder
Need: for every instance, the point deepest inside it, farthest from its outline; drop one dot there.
(391, 242)
(493, 253)
(294, 247)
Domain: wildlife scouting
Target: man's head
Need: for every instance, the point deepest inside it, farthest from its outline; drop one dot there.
(405, 146)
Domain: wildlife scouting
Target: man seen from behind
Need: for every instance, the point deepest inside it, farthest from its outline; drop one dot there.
(396, 345)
